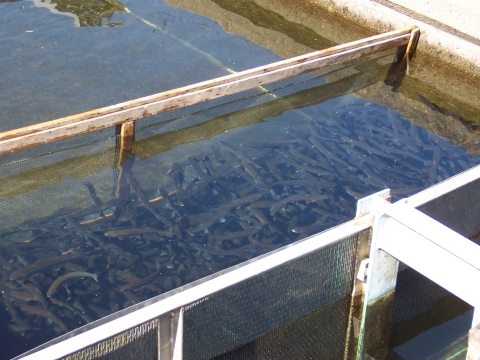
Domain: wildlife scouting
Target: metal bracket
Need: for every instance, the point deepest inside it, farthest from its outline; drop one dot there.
(362, 273)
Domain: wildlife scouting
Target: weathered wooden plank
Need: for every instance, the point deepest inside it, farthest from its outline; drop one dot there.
(169, 100)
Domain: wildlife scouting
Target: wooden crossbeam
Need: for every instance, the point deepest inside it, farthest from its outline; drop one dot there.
(155, 104)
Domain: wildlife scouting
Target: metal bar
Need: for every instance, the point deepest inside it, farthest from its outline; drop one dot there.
(437, 233)
(433, 250)
(206, 287)
(189, 95)
(444, 187)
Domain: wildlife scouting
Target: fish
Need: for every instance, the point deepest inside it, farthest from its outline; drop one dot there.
(236, 234)
(233, 252)
(141, 195)
(32, 288)
(46, 314)
(85, 232)
(98, 208)
(134, 231)
(164, 194)
(141, 282)
(197, 169)
(96, 200)
(239, 154)
(42, 264)
(209, 221)
(81, 274)
(325, 152)
(300, 197)
(253, 173)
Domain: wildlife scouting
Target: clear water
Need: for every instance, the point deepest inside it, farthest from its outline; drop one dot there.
(288, 174)
(221, 212)
(52, 68)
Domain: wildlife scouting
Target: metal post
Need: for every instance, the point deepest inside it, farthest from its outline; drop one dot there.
(379, 272)
(171, 336)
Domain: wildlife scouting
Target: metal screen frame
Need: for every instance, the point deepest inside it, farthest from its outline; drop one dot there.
(172, 302)
(403, 233)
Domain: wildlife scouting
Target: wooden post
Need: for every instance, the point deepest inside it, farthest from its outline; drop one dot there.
(127, 137)
(125, 148)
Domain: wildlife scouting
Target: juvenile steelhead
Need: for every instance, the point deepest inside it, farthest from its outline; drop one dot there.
(141, 195)
(42, 264)
(67, 277)
(46, 314)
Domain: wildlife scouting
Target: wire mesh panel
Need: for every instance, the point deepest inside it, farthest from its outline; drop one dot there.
(46, 180)
(420, 306)
(139, 343)
(459, 209)
(303, 304)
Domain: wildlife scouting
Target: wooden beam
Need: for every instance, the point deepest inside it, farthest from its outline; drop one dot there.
(136, 109)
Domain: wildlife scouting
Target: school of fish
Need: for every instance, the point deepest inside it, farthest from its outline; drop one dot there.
(237, 201)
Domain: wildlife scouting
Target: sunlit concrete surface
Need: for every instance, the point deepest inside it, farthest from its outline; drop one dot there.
(450, 28)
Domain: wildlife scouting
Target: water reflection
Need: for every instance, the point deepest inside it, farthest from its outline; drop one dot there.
(85, 13)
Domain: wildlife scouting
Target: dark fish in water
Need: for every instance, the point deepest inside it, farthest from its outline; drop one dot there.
(42, 264)
(210, 250)
(35, 291)
(181, 275)
(85, 232)
(313, 182)
(123, 189)
(254, 144)
(61, 304)
(98, 208)
(129, 232)
(164, 194)
(253, 173)
(141, 282)
(308, 168)
(209, 221)
(141, 195)
(23, 295)
(236, 235)
(11, 310)
(293, 198)
(240, 202)
(91, 190)
(240, 155)
(432, 173)
(46, 314)
(81, 274)
(197, 169)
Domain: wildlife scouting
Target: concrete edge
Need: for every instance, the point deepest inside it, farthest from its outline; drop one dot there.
(454, 49)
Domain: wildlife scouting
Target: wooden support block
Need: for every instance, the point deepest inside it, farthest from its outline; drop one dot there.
(127, 136)
(474, 343)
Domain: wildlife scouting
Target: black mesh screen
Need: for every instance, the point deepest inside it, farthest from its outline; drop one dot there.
(139, 343)
(304, 302)
(459, 209)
